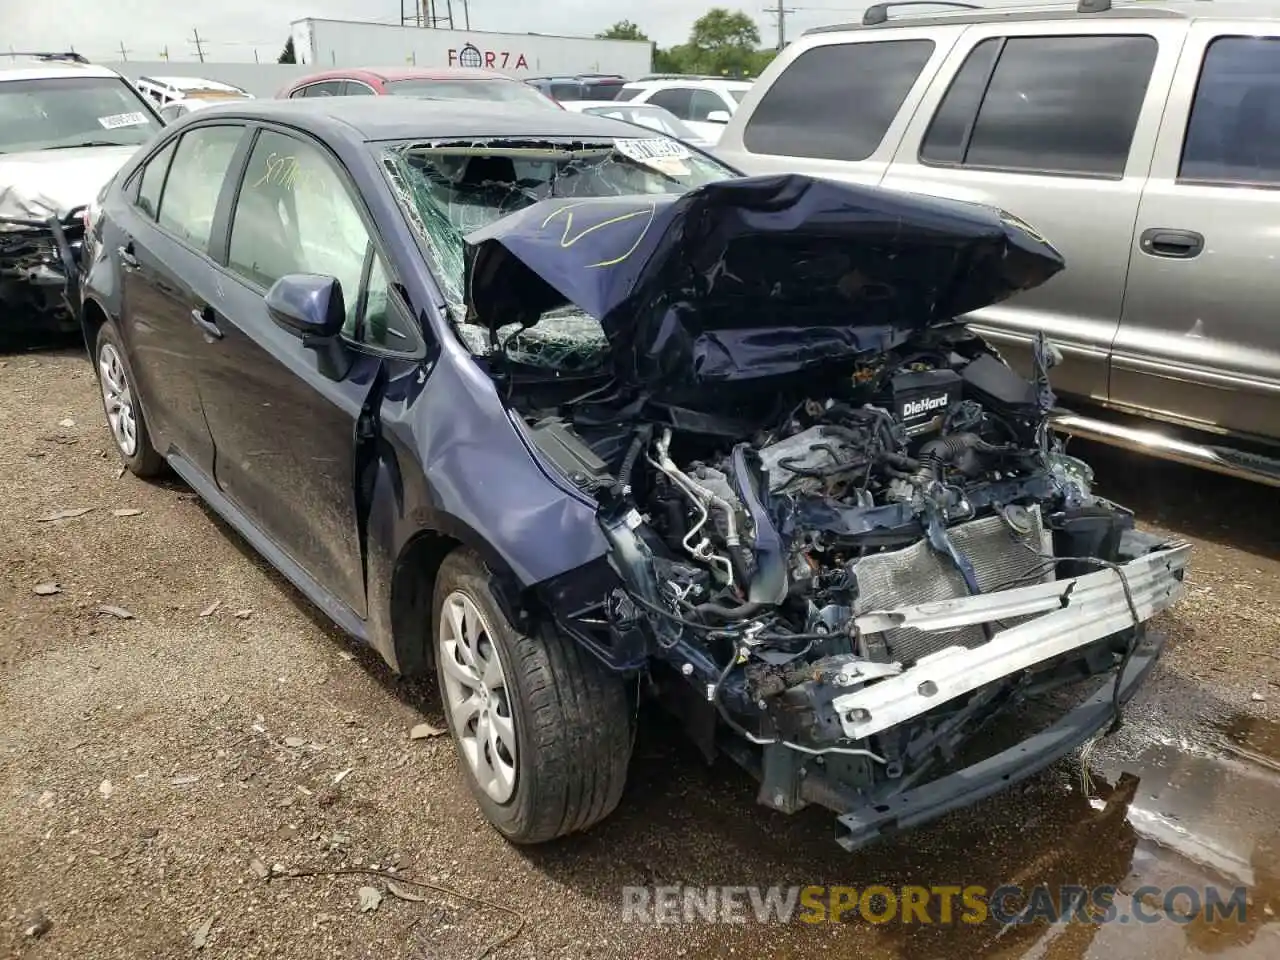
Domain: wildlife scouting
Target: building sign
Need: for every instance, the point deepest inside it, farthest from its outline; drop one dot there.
(472, 56)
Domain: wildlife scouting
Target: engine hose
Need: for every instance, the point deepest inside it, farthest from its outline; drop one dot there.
(638, 443)
(741, 612)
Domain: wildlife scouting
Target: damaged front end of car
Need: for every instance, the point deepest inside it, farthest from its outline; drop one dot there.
(842, 538)
(39, 269)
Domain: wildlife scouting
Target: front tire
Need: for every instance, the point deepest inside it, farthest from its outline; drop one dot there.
(120, 403)
(542, 728)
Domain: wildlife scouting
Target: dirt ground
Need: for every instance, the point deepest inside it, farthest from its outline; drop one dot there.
(180, 730)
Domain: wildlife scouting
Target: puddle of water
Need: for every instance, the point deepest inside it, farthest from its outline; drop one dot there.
(1161, 811)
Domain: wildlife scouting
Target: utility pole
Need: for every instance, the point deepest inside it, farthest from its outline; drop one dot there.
(165, 54)
(255, 55)
(124, 54)
(466, 13)
(195, 34)
(782, 26)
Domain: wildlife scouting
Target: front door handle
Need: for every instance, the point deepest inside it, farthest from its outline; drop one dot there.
(1174, 244)
(206, 320)
(127, 259)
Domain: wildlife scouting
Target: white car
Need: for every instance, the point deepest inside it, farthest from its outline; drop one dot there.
(648, 115)
(66, 127)
(175, 97)
(704, 103)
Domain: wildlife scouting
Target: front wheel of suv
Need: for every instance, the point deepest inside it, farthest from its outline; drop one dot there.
(542, 728)
(120, 402)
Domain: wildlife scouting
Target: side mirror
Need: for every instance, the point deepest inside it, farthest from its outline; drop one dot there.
(718, 116)
(308, 305)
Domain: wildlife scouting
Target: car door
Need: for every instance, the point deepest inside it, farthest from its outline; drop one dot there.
(283, 415)
(168, 277)
(1199, 340)
(1056, 126)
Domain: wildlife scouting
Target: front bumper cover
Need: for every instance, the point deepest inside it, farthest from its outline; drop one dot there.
(1066, 615)
(914, 807)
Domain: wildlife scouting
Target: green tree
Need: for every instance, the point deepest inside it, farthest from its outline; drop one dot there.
(622, 30)
(726, 42)
(287, 55)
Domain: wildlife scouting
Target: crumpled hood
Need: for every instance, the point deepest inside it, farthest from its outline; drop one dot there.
(750, 277)
(45, 183)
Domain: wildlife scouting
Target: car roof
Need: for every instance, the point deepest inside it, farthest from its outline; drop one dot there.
(690, 81)
(33, 68)
(406, 73)
(408, 118)
(187, 84)
(1082, 10)
(614, 104)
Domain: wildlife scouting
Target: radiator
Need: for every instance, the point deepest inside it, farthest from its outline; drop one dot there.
(1001, 558)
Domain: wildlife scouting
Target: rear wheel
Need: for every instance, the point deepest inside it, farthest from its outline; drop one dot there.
(542, 728)
(120, 401)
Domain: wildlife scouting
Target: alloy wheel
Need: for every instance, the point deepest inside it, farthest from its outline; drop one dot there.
(117, 398)
(476, 696)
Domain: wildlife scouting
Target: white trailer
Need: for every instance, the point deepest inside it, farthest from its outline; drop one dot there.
(344, 43)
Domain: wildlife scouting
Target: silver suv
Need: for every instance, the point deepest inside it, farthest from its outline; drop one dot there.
(1143, 141)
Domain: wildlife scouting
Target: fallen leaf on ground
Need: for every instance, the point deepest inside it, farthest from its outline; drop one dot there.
(396, 890)
(184, 779)
(120, 473)
(294, 742)
(259, 868)
(126, 512)
(243, 614)
(106, 789)
(342, 775)
(346, 655)
(120, 613)
(46, 589)
(64, 514)
(68, 422)
(369, 899)
(201, 936)
(211, 609)
(424, 731)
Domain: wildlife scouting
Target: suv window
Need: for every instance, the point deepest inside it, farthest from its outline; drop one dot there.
(1233, 135)
(195, 179)
(1065, 105)
(295, 214)
(566, 91)
(836, 102)
(704, 102)
(675, 99)
(152, 181)
(627, 93)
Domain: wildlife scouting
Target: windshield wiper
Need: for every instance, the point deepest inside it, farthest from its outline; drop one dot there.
(88, 143)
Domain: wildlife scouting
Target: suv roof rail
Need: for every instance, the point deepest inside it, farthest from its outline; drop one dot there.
(70, 56)
(878, 13)
(681, 76)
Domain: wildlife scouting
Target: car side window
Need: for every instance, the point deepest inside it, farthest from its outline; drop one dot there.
(1057, 105)
(676, 99)
(294, 214)
(1233, 134)
(195, 179)
(836, 102)
(151, 184)
(328, 88)
(354, 88)
(702, 103)
(627, 94)
(566, 91)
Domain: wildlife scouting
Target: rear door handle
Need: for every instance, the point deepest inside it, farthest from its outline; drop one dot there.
(127, 259)
(1174, 244)
(206, 320)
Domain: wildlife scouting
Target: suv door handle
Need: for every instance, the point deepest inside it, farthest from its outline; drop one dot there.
(1175, 244)
(205, 319)
(127, 259)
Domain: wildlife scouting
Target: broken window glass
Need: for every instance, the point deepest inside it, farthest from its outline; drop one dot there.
(449, 188)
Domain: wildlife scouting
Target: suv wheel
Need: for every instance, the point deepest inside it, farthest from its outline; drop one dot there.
(120, 401)
(543, 729)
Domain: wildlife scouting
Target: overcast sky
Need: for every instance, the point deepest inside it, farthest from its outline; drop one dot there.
(235, 28)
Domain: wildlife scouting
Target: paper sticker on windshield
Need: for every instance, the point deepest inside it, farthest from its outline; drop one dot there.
(655, 148)
(117, 120)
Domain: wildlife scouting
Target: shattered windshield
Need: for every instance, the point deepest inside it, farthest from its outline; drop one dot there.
(450, 188)
(62, 112)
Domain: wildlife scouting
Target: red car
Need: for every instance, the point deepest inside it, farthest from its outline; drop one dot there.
(453, 83)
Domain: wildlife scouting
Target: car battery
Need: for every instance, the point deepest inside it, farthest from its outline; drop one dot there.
(922, 398)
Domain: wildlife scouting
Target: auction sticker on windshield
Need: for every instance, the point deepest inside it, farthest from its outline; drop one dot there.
(117, 120)
(660, 153)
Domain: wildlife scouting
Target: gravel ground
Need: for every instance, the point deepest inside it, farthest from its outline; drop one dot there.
(180, 728)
